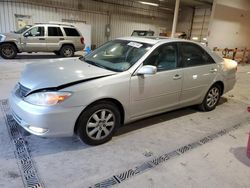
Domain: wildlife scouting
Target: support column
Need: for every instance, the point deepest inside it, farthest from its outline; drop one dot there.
(176, 12)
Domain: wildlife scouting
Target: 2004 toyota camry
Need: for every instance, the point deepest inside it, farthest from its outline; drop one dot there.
(122, 81)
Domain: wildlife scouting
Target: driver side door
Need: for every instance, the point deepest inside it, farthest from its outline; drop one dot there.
(151, 94)
(34, 40)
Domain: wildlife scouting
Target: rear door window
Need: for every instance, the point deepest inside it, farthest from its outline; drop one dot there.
(54, 31)
(71, 32)
(194, 55)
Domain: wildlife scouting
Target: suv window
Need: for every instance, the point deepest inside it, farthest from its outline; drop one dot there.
(164, 57)
(54, 31)
(36, 32)
(71, 32)
(194, 55)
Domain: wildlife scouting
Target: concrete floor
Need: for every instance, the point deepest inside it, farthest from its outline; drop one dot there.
(66, 162)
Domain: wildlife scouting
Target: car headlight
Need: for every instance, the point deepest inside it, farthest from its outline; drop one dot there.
(2, 38)
(47, 98)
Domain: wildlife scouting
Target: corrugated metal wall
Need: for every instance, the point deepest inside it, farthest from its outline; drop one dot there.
(40, 13)
(124, 17)
(185, 20)
(200, 23)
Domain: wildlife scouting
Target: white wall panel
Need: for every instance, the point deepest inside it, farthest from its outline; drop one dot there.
(229, 26)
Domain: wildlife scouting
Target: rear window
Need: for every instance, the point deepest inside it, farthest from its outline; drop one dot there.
(71, 32)
(54, 31)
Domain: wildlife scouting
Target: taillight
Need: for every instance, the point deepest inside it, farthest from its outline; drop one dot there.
(82, 40)
(248, 109)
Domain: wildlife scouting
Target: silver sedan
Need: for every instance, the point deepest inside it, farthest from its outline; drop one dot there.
(122, 81)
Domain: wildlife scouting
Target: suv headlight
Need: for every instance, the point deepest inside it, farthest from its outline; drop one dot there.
(2, 38)
(47, 98)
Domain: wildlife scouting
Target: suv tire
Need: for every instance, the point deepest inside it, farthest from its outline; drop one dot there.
(98, 123)
(8, 51)
(57, 53)
(67, 51)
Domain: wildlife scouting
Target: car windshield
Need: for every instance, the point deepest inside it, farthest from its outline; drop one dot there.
(20, 31)
(117, 55)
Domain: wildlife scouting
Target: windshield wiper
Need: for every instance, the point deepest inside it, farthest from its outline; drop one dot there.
(96, 64)
(93, 63)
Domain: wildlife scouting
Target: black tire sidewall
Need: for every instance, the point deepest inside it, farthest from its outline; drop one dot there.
(64, 47)
(57, 52)
(84, 117)
(205, 107)
(13, 48)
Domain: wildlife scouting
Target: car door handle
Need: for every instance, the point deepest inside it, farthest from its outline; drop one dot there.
(61, 38)
(213, 70)
(177, 77)
(41, 38)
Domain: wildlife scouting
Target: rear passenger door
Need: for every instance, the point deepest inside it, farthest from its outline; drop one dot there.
(199, 71)
(73, 37)
(54, 37)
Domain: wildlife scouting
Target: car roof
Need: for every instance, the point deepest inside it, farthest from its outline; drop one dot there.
(55, 24)
(153, 39)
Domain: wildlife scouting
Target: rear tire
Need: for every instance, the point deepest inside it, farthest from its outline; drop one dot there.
(211, 99)
(98, 123)
(8, 51)
(67, 51)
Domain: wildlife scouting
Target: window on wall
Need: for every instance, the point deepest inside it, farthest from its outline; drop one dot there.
(54, 31)
(194, 55)
(164, 57)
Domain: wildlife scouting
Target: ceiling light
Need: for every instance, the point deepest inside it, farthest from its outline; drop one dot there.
(148, 3)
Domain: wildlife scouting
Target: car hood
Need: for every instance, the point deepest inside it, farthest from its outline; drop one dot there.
(58, 72)
(11, 35)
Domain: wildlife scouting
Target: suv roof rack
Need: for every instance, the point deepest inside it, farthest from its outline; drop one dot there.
(57, 23)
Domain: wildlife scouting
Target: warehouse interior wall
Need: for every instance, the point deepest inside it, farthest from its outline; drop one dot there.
(185, 19)
(229, 26)
(123, 19)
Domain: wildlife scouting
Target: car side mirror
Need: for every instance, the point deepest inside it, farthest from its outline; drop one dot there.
(147, 69)
(26, 34)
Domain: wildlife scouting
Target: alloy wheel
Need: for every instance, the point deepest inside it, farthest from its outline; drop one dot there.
(8, 51)
(67, 52)
(100, 124)
(213, 97)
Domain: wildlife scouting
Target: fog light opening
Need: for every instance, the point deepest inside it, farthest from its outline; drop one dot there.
(38, 129)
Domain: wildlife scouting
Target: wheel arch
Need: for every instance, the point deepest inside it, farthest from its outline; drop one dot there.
(221, 84)
(10, 42)
(112, 100)
(68, 44)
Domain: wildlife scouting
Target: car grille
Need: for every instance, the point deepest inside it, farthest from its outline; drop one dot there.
(22, 91)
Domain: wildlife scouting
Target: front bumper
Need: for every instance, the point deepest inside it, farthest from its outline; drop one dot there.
(55, 121)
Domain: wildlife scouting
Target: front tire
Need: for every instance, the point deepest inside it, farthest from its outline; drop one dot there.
(98, 123)
(211, 99)
(8, 51)
(67, 51)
